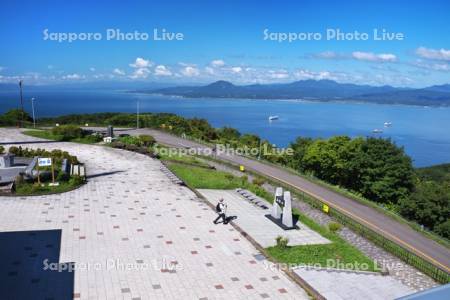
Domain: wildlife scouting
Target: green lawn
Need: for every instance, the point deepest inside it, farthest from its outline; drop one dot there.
(166, 156)
(204, 178)
(33, 189)
(338, 251)
(48, 135)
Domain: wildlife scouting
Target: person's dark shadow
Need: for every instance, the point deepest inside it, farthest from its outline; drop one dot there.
(295, 219)
(229, 219)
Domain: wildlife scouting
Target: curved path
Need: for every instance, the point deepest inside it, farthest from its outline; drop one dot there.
(132, 234)
(388, 227)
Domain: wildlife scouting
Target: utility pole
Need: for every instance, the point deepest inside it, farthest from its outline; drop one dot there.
(32, 107)
(21, 103)
(137, 114)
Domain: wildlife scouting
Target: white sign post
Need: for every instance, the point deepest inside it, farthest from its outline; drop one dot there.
(44, 161)
(47, 162)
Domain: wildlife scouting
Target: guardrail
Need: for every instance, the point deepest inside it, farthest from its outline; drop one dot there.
(435, 272)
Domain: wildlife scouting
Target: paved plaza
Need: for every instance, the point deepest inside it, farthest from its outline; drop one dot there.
(348, 285)
(252, 220)
(131, 234)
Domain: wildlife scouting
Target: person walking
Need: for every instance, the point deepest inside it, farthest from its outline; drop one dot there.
(221, 208)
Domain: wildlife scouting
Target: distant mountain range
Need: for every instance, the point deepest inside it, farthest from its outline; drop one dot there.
(315, 90)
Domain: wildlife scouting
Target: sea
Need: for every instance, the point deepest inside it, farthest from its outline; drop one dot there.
(424, 132)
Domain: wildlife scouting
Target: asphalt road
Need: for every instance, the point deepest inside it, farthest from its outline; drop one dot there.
(400, 233)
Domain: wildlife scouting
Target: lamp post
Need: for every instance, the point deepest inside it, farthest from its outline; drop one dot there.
(21, 104)
(137, 114)
(32, 108)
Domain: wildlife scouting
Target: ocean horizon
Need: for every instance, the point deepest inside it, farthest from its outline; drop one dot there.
(422, 131)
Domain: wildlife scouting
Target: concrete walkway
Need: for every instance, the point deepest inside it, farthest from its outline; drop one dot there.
(132, 234)
(252, 220)
(348, 285)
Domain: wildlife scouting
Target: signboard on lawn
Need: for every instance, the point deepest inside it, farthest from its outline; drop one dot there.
(44, 161)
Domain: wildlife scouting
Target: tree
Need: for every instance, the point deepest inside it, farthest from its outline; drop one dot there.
(300, 146)
(324, 159)
(429, 205)
(387, 174)
(228, 134)
(249, 140)
(443, 229)
(13, 117)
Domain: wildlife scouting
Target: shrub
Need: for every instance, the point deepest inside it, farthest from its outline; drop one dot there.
(14, 150)
(68, 132)
(229, 177)
(62, 177)
(147, 140)
(333, 226)
(258, 181)
(131, 140)
(244, 179)
(19, 180)
(56, 155)
(118, 144)
(2, 149)
(131, 147)
(76, 180)
(93, 138)
(281, 241)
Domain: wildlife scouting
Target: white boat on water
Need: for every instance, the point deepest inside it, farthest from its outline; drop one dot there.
(272, 118)
(377, 131)
(387, 124)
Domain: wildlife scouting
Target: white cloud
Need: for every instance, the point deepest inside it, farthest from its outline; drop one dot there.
(141, 66)
(118, 71)
(73, 76)
(369, 56)
(217, 63)
(435, 66)
(141, 63)
(303, 74)
(436, 54)
(327, 55)
(278, 74)
(140, 73)
(236, 69)
(190, 71)
(209, 70)
(161, 70)
(92, 69)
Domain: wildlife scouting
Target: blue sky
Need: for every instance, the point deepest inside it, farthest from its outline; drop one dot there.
(225, 40)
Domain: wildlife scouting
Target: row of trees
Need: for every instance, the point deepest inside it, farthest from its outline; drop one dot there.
(373, 167)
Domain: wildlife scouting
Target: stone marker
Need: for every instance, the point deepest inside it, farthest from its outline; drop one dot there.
(65, 166)
(110, 131)
(82, 171)
(287, 210)
(276, 208)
